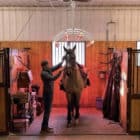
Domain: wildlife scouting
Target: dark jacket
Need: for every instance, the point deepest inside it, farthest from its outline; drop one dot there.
(48, 79)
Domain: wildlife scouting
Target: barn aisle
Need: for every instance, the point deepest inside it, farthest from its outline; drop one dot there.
(91, 122)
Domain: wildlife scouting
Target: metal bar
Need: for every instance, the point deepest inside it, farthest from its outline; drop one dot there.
(129, 79)
(133, 72)
(137, 76)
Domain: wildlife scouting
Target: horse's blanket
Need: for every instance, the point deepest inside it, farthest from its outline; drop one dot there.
(84, 75)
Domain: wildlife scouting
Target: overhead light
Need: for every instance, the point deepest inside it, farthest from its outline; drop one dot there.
(73, 34)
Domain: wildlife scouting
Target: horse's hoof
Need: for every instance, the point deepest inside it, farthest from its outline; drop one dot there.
(69, 125)
(76, 121)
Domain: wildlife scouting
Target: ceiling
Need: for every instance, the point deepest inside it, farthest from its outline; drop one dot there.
(62, 3)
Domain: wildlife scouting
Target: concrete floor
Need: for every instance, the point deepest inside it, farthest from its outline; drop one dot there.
(91, 122)
(78, 136)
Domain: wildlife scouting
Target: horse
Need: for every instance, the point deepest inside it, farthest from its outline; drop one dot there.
(73, 84)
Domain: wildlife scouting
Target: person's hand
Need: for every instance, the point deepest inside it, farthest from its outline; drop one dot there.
(60, 72)
(63, 58)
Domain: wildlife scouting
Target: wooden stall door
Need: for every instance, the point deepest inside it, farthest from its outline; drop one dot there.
(4, 84)
(133, 100)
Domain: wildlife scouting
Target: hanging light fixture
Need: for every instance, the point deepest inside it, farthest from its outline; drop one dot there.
(73, 34)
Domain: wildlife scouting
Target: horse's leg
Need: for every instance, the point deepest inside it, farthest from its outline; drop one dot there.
(77, 107)
(69, 110)
(72, 105)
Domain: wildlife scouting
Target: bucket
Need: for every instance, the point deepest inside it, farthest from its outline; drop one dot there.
(99, 103)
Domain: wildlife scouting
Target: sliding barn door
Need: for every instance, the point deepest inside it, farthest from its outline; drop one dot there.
(133, 100)
(4, 85)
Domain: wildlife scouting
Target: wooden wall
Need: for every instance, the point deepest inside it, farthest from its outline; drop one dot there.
(3, 111)
(45, 23)
(42, 50)
(135, 75)
(135, 115)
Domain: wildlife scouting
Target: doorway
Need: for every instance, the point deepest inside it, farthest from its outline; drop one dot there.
(89, 112)
(91, 106)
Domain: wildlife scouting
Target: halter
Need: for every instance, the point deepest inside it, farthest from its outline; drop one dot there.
(70, 59)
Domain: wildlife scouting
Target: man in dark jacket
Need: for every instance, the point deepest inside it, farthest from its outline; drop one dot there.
(48, 86)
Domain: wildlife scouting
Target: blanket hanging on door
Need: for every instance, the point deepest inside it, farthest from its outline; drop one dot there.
(23, 80)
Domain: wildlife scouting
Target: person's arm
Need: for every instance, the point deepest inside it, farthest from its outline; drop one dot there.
(47, 76)
(56, 67)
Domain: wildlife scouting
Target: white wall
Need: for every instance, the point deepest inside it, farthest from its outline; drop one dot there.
(42, 24)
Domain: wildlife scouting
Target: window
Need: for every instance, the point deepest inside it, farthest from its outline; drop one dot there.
(58, 51)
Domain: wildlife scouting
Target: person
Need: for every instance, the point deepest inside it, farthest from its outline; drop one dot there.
(48, 84)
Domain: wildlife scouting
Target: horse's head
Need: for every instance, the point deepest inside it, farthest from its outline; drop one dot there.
(70, 57)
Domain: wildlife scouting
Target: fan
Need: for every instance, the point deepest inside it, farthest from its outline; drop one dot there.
(76, 0)
(57, 3)
(63, 0)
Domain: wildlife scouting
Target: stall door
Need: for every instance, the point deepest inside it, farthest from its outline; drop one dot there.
(133, 100)
(4, 84)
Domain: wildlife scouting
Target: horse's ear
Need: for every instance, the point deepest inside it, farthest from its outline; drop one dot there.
(64, 48)
(74, 48)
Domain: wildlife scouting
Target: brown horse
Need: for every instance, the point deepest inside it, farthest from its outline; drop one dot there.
(73, 84)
